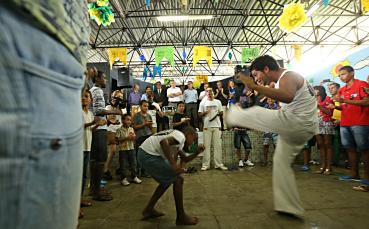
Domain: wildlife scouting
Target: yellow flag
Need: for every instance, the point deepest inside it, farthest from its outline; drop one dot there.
(202, 79)
(120, 53)
(202, 52)
(365, 6)
(298, 52)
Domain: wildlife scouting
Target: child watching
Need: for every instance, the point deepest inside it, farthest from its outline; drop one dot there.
(269, 137)
(127, 156)
(157, 155)
(180, 118)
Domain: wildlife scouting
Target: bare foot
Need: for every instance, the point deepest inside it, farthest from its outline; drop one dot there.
(187, 220)
(151, 214)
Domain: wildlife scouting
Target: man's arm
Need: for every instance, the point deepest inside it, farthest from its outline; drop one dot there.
(167, 149)
(363, 102)
(288, 86)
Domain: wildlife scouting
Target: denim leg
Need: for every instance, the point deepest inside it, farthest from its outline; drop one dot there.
(40, 128)
(131, 155)
(86, 160)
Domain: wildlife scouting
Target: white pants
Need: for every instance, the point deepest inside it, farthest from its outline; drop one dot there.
(293, 132)
(212, 137)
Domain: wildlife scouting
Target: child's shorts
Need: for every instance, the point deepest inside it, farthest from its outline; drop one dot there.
(269, 138)
(310, 143)
(157, 167)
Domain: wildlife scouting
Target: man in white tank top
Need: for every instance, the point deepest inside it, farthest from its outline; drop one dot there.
(296, 122)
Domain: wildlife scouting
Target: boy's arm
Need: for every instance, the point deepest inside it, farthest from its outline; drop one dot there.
(167, 149)
(189, 158)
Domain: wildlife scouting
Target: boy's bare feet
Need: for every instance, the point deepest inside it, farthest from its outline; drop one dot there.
(151, 214)
(187, 220)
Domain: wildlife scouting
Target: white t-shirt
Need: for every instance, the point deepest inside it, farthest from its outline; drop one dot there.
(87, 132)
(152, 144)
(215, 107)
(174, 91)
(112, 127)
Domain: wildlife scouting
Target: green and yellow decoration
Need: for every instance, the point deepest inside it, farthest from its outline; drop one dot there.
(336, 68)
(293, 16)
(365, 6)
(100, 11)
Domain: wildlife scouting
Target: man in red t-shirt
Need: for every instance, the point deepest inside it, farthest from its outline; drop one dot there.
(354, 121)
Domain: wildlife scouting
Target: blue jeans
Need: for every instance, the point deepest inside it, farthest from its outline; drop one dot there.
(40, 128)
(355, 137)
(241, 136)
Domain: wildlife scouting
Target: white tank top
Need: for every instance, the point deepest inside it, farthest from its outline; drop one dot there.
(304, 104)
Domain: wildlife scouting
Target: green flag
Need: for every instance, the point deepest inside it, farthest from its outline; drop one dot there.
(249, 54)
(167, 52)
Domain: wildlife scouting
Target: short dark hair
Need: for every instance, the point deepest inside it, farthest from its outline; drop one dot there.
(337, 85)
(264, 61)
(180, 102)
(189, 130)
(142, 102)
(99, 75)
(347, 68)
(125, 116)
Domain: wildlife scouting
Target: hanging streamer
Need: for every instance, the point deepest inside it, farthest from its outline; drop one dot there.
(298, 52)
(202, 52)
(249, 54)
(148, 2)
(117, 53)
(157, 70)
(144, 74)
(293, 16)
(184, 55)
(142, 57)
(230, 55)
(164, 52)
(325, 2)
(101, 12)
(365, 6)
(202, 78)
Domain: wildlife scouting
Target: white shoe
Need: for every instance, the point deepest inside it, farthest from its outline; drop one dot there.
(222, 167)
(136, 180)
(124, 182)
(249, 163)
(204, 168)
(240, 163)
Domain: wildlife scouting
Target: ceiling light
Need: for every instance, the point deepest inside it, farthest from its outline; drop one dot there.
(184, 18)
(312, 9)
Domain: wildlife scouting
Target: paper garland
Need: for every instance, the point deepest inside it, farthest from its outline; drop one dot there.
(120, 53)
(325, 2)
(293, 16)
(298, 52)
(249, 54)
(100, 11)
(365, 6)
(202, 52)
(335, 70)
(157, 70)
(164, 52)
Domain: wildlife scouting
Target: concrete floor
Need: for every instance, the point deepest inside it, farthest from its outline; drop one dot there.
(237, 199)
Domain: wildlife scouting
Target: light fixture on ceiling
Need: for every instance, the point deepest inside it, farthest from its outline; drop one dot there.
(312, 10)
(183, 18)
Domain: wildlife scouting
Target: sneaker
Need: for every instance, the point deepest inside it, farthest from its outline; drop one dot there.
(304, 168)
(136, 180)
(204, 168)
(222, 167)
(124, 182)
(240, 163)
(348, 178)
(249, 163)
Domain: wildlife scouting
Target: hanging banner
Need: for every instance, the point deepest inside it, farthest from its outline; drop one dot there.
(117, 53)
(336, 68)
(148, 2)
(325, 2)
(365, 6)
(164, 52)
(298, 52)
(145, 72)
(202, 52)
(202, 79)
(157, 70)
(249, 54)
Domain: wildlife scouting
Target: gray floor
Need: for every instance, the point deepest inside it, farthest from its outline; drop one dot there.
(237, 199)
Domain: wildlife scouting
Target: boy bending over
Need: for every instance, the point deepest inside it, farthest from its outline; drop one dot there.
(158, 156)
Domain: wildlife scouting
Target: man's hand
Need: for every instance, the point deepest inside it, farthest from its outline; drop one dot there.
(96, 119)
(101, 122)
(177, 170)
(247, 80)
(331, 106)
(148, 123)
(339, 99)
